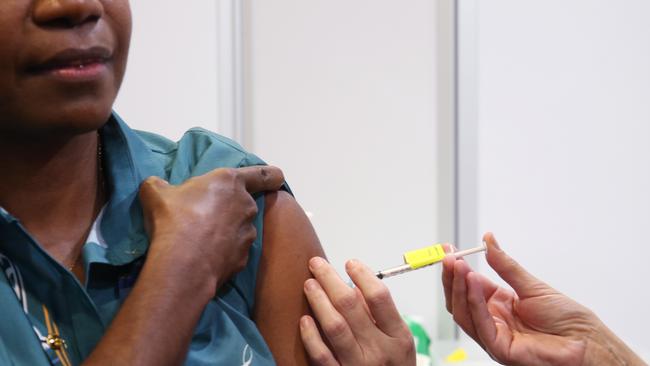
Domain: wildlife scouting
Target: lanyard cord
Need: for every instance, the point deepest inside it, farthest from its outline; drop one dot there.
(54, 345)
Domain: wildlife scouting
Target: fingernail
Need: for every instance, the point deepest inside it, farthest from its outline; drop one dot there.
(496, 245)
(316, 262)
(351, 264)
(304, 322)
(310, 285)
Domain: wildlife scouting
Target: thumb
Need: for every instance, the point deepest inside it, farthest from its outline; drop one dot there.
(156, 181)
(150, 187)
(524, 284)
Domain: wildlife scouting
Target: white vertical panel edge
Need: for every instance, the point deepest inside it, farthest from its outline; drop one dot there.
(467, 125)
(446, 144)
(230, 69)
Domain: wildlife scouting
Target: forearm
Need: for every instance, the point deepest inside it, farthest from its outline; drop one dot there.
(156, 322)
(605, 348)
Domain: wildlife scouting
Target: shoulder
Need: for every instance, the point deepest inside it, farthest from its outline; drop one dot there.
(197, 152)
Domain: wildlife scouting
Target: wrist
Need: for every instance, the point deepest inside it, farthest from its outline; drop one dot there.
(149, 329)
(180, 272)
(605, 348)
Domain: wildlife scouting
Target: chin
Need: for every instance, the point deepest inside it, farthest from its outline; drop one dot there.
(64, 120)
(45, 108)
(82, 117)
(82, 112)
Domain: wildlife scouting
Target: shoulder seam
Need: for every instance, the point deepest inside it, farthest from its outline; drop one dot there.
(222, 139)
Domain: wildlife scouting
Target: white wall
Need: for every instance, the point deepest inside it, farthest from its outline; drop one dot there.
(343, 98)
(171, 82)
(564, 148)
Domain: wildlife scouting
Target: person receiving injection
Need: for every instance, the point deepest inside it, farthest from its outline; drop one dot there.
(532, 324)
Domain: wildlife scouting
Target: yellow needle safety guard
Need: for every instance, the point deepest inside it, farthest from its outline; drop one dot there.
(423, 257)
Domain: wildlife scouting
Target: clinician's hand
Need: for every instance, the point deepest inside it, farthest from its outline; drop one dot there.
(361, 324)
(534, 325)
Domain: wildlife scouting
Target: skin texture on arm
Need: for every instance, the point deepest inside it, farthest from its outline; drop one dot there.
(289, 242)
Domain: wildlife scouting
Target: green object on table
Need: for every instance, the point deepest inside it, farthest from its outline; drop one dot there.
(422, 339)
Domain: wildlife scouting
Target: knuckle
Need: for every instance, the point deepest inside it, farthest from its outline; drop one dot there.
(251, 211)
(406, 342)
(320, 357)
(379, 296)
(346, 301)
(221, 176)
(149, 183)
(335, 328)
(150, 180)
(226, 175)
(229, 173)
(251, 235)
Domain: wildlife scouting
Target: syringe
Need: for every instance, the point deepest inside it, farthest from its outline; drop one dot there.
(424, 257)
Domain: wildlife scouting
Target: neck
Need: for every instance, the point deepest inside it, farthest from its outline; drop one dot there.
(53, 188)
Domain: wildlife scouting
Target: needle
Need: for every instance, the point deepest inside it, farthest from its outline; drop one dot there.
(425, 257)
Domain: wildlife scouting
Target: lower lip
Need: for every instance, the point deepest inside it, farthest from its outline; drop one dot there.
(86, 72)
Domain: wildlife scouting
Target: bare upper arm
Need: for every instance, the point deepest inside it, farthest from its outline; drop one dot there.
(289, 242)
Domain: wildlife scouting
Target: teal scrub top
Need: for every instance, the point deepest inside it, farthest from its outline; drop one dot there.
(39, 298)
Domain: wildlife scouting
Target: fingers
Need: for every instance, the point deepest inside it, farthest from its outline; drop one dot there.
(448, 273)
(467, 294)
(447, 279)
(481, 318)
(317, 350)
(524, 284)
(448, 248)
(378, 298)
(334, 325)
(459, 305)
(494, 336)
(261, 178)
(346, 300)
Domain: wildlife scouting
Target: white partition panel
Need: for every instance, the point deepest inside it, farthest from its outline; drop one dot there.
(563, 158)
(343, 98)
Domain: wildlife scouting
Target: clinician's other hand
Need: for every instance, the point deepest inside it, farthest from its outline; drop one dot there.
(206, 223)
(534, 325)
(361, 324)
